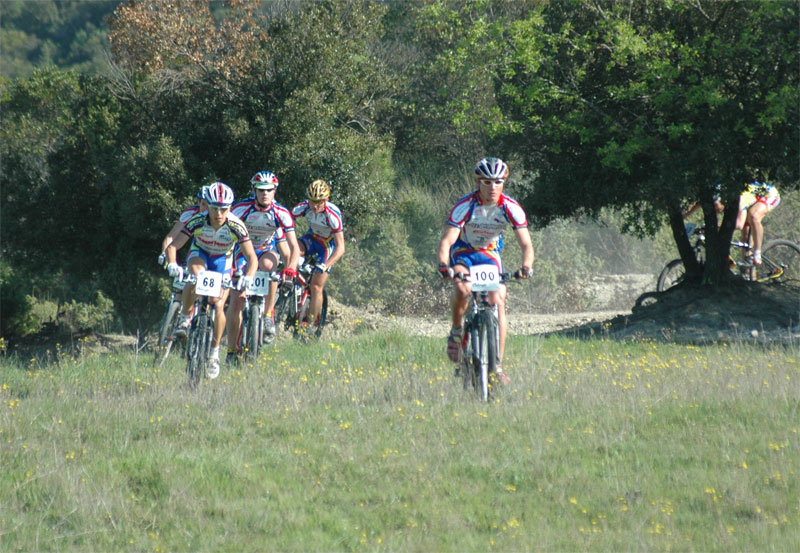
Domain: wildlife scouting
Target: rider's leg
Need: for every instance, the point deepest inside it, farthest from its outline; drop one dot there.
(498, 298)
(754, 216)
(460, 299)
(234, 319)
(269, 262)
(316, 287)
(194, 266)
(219, 321)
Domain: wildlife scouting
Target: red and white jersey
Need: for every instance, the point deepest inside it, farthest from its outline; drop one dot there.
(264, 222)
(188, 213)
(321, 224)
(482, 225)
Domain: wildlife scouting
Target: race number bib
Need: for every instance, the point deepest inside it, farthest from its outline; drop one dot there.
(484, 278)
(209, 283)
(260, 285)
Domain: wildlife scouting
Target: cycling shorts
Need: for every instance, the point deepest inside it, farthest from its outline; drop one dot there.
(319, 247)
(748, 199)
(240, 261)
(218, 263)
(462, 254)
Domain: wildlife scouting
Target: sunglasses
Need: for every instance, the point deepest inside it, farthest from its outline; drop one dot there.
(273, 189)
(492, 182)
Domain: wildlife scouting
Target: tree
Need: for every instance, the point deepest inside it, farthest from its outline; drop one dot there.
(638, 106)
(644, 107)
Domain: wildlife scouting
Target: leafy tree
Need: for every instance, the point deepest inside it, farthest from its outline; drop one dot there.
(645, 106)
(641, 107)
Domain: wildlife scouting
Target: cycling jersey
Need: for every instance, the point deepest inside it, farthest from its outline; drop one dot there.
(758, 192)
(188, 213)
(215, 242)
(321, 225)
(481, 225)
(264, 223)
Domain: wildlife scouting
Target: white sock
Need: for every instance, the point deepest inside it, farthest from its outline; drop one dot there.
(215, 352)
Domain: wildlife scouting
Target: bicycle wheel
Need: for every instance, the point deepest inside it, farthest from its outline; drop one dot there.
(281, 309)
(196, 351)
(253, 331)
(165, 333)
(672, 274)
(780, 262)
(486, 334)
(492, 338)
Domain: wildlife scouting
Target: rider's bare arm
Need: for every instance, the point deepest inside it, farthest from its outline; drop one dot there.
(338, 252)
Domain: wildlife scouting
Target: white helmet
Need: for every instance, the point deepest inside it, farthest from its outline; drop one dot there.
(219, 194)
(491, 168)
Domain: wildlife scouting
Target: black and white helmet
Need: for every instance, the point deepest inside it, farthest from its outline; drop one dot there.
(491, 168)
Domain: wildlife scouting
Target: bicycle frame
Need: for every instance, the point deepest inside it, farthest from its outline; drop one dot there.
(480, 344)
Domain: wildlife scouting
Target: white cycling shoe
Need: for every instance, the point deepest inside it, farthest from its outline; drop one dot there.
(212, 371)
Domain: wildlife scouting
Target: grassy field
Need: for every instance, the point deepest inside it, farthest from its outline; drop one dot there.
(371, 444)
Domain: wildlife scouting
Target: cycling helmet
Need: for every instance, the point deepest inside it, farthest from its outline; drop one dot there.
(219, 194)
(201, 194)
(318, 190)
(491, 168)
(264, 179)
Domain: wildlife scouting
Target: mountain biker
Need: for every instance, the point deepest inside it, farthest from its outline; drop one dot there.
(185, 215)
(214, 235)
(271, 226)
(755, 202)
(324, 239)
(473, 235)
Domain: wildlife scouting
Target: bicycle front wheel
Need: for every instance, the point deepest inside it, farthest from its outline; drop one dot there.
(486, 333)
(672, 275)
(196, 351)
(780, 262)
(254, 323)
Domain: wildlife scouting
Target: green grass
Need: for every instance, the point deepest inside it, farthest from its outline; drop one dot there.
(371, 444)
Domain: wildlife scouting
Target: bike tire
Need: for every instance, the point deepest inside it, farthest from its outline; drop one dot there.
(780, 262)
(467, 368)
(671, 275)
(486, 334)
(254, 324)
(197, 349)
(492, 340)
(166, 333)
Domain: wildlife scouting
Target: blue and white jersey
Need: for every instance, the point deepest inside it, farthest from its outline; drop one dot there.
(264, 223)
(321, 225)
(482, 225)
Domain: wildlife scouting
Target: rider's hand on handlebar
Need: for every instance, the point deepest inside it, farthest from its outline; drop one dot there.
(245, 282)
(445, 271)
(174, 270)
(288, 274)
(524, 272)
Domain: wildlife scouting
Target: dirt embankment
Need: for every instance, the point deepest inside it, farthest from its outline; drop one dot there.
(743, 311)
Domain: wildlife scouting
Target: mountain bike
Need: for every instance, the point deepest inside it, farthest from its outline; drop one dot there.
(294, 300)
(208, 284)
(251, 332)
(780, 262)
(480, 343)
(166, 331)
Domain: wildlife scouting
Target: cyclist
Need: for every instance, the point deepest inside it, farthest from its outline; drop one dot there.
(473, 235)
(185, 215)
(214, 235)
(324, 239)
(755, 202)
(271, 227)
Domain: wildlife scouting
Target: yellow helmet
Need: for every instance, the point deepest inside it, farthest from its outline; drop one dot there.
(318, 190)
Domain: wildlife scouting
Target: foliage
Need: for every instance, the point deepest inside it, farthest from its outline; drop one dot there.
(622, 111)
(70, 34)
